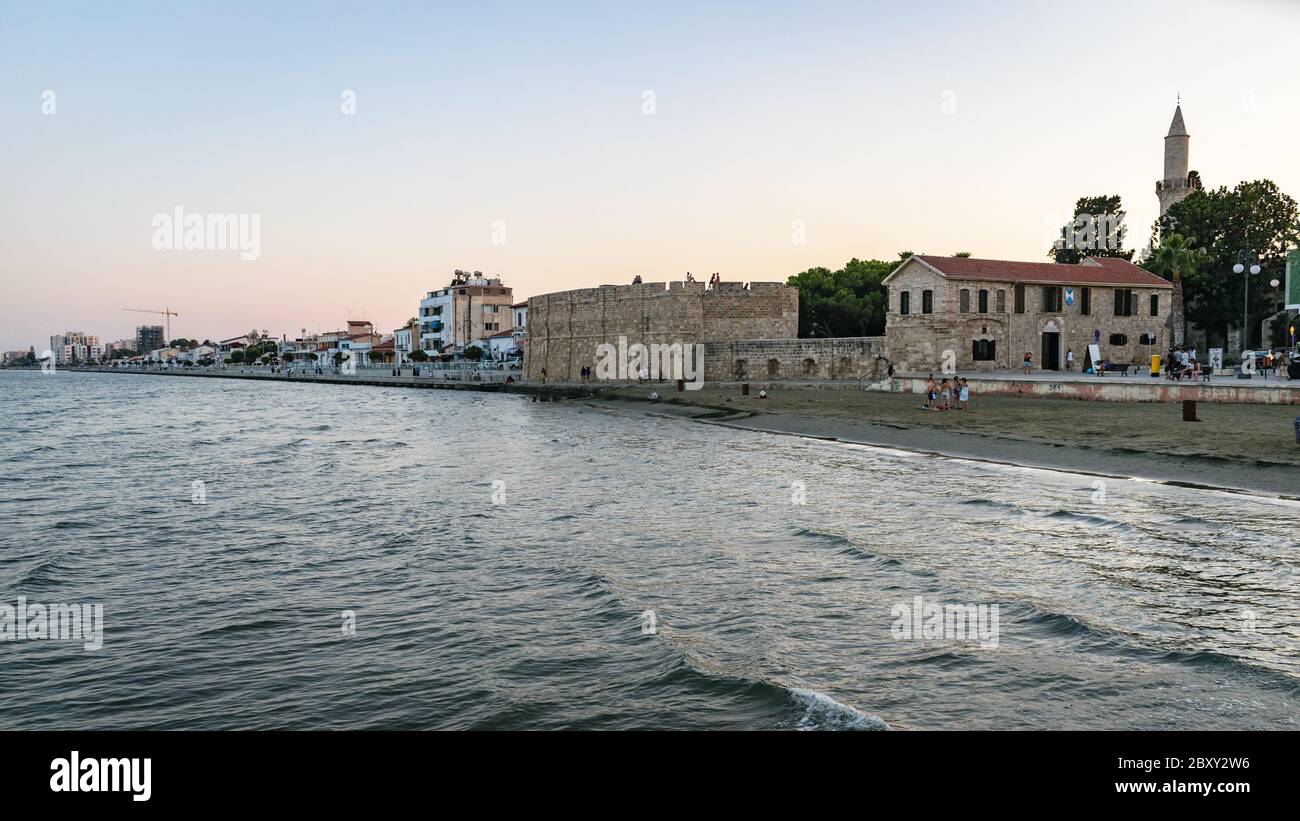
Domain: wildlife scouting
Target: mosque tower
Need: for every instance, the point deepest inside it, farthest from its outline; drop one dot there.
(1178, 182)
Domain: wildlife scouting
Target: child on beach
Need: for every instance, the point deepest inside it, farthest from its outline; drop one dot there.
(965, 395)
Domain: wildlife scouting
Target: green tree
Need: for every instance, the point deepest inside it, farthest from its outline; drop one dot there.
(1103, 210)
(962, 255)
(473, 353)
(418, 355)
(1255, 217)
(236, 356)
(1176, 259)
(848, 302)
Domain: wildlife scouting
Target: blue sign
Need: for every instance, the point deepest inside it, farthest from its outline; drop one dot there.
(1069, 296)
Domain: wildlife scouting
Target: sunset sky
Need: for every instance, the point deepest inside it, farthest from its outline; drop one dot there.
(931, 126)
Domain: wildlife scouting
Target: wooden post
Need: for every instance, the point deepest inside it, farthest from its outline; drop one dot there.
(744, 389)
(681, 385)
(1189, 410)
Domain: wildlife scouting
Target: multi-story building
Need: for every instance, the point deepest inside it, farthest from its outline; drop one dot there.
(149, 338)
(982, 314)
(405, 339)
(472, 307)
(75, 347)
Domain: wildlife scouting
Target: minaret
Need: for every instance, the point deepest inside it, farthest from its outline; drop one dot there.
(1177, 184)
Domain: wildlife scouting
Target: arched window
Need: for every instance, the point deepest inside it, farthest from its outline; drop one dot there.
(773, 367)
(905, 302)
(984, 301)
(983, 350)
(963, 301)
(809, 367)
(741, 364)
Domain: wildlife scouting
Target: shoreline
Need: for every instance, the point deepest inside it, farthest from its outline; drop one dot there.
(1279, 481)
(810, 428)
(1234, 474)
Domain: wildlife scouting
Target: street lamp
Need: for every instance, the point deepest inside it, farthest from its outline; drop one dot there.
(1240, 268)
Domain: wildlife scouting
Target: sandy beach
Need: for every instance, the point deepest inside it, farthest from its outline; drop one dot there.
(1249, 448)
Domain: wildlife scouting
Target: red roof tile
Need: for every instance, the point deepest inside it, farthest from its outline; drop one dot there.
(1092, 271)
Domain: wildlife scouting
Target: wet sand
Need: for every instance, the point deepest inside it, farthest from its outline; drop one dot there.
(1250, 448)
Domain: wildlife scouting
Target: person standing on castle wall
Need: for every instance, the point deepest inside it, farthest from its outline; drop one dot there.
(1069, 359)
(1029, 362)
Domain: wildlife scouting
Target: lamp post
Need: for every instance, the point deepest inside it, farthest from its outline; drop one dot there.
(1240, 268)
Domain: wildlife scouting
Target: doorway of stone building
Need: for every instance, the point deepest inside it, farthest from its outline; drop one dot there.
(1051, 359)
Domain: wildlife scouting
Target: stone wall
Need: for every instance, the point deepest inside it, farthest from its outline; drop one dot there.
(780, 359)
(566, 328)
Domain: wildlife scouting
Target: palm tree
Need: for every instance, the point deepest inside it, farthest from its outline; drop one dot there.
(1174, 259)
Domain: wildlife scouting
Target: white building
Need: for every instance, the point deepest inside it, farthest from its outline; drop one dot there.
(503, 345)
(403, 339)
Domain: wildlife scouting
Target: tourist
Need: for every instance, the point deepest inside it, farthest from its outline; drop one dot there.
(1029, 362)
(944, 394)
(965, 395)
(543, 376)
(1069, 359)
(930, 389)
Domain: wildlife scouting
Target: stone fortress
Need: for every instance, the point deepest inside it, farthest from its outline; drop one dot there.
(980, 314)
(748, 330)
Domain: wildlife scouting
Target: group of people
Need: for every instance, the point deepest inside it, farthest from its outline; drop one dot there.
(949, 394)
(1183, 364)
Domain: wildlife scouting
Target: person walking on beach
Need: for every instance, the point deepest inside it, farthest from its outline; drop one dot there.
(543, 376)
(1029, 361)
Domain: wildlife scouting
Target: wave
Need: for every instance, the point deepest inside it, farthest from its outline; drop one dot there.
(829, 538)
(989, 503)
(1090, 519)
(821, 712)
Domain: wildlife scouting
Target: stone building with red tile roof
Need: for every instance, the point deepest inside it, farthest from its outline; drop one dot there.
(984, 314)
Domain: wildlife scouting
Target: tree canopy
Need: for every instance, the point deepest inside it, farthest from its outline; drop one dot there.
(847, 302)
(1255, 217)
(1096, 208)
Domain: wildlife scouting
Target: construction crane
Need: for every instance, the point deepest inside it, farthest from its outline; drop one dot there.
(167, 314)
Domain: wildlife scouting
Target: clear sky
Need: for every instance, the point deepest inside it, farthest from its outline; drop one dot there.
(931, 126)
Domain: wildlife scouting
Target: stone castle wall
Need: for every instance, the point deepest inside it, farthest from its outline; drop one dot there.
(772, 359)
(566, 328)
